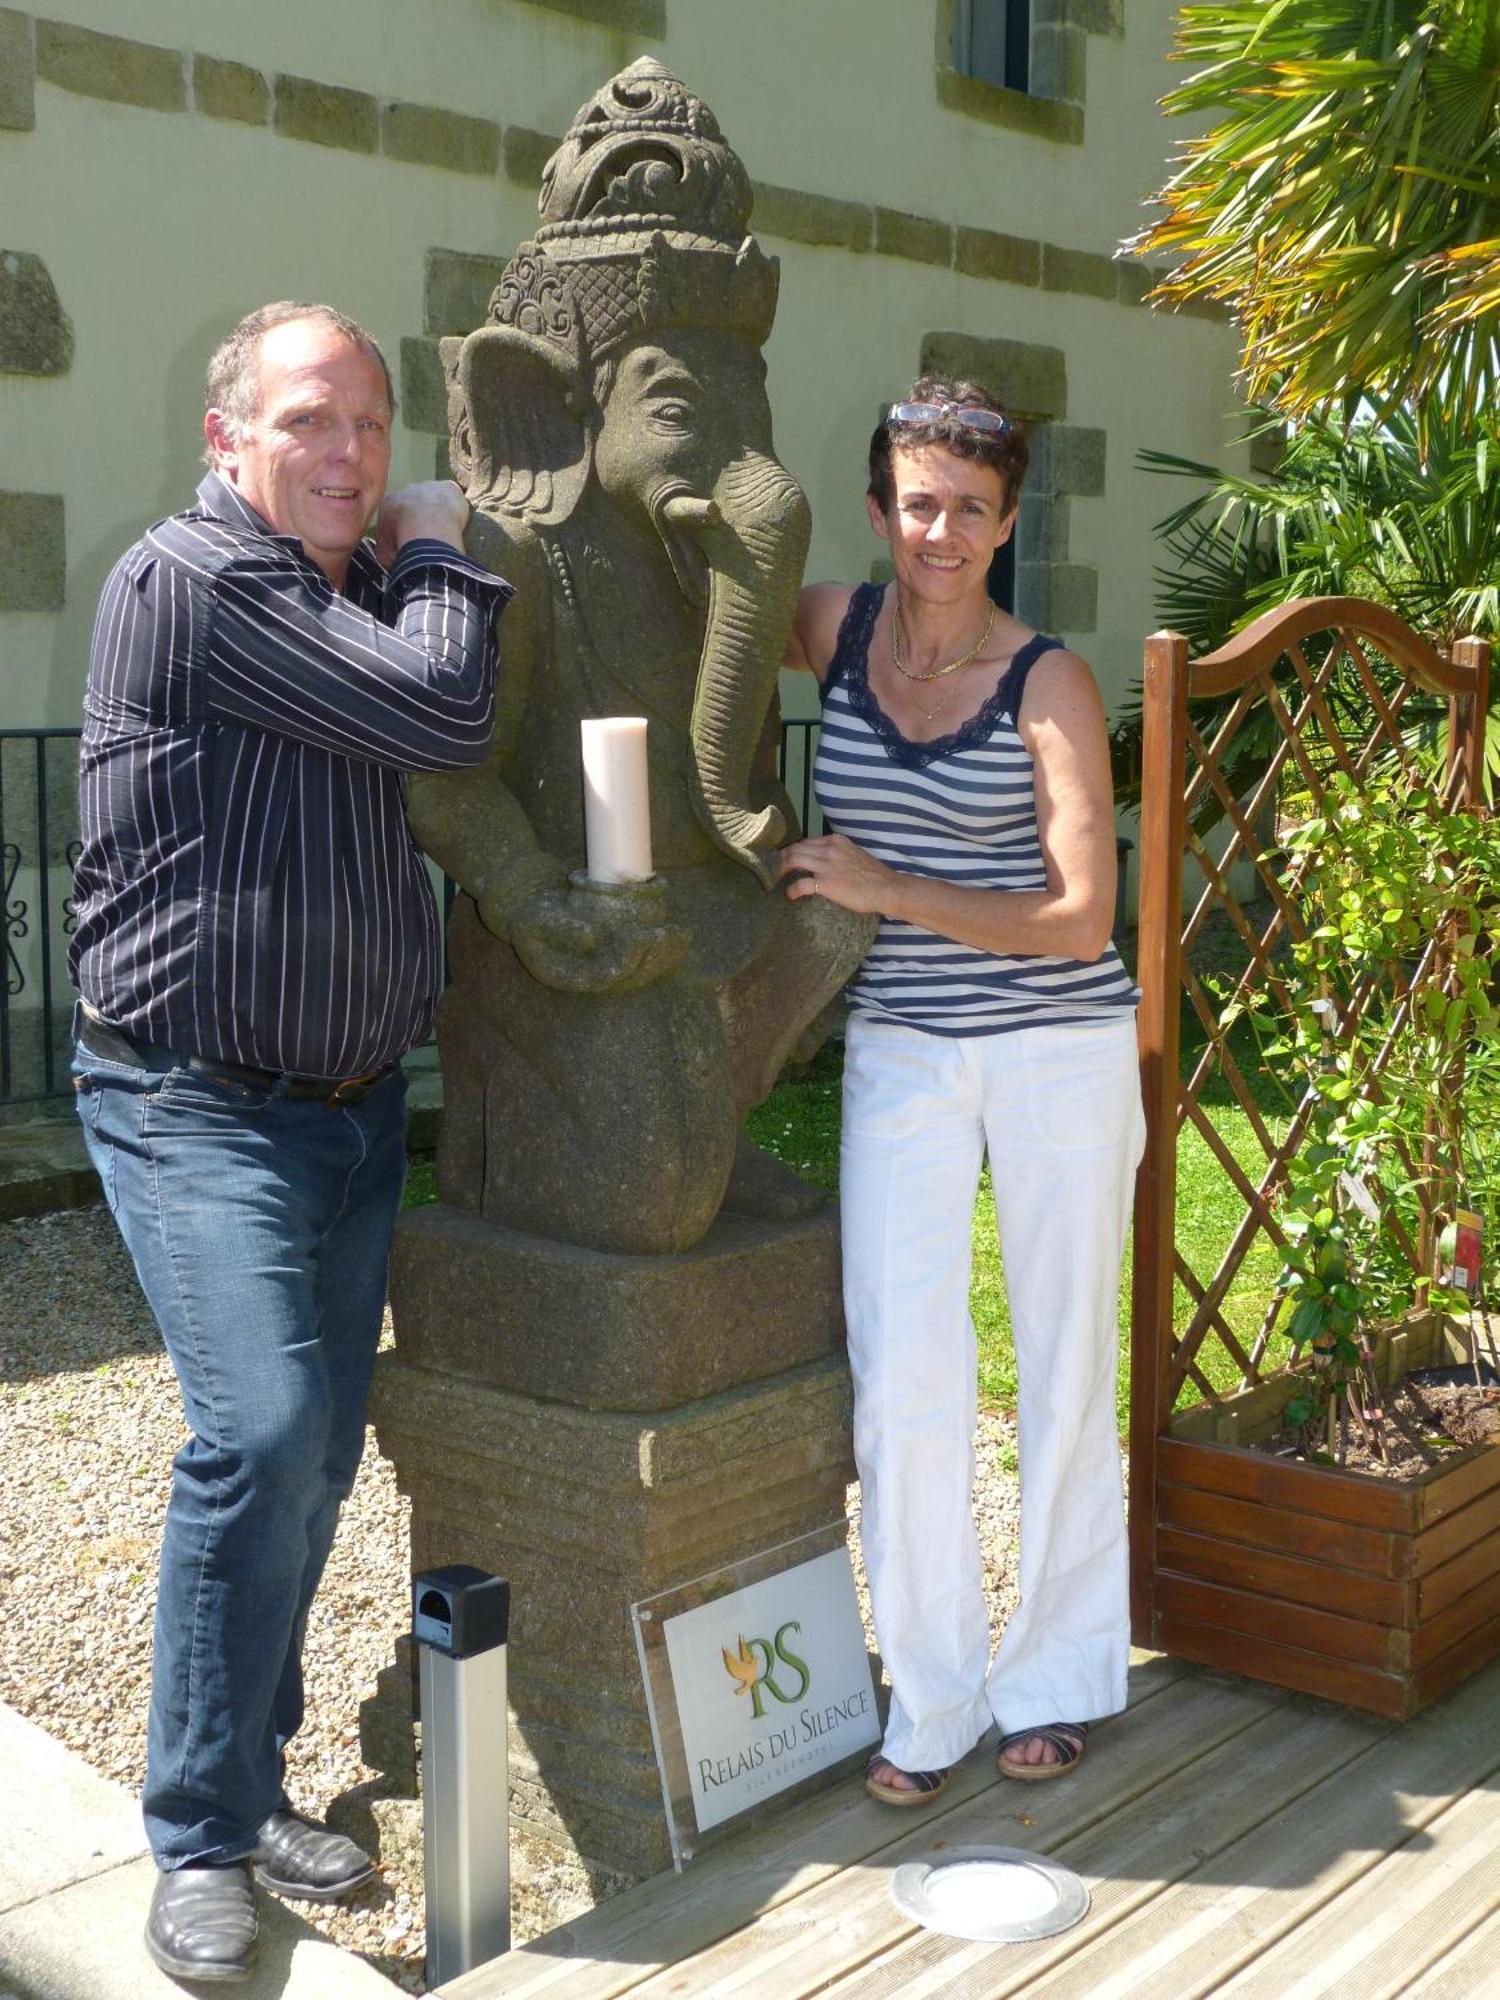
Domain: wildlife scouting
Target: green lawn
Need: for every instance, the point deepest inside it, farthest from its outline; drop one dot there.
(421, 1182)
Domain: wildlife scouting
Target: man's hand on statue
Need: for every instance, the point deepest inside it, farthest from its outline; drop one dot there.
(431, 510)
(834, 868)
(588, 939)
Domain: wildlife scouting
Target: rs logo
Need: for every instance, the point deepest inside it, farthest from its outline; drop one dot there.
(757, 1663)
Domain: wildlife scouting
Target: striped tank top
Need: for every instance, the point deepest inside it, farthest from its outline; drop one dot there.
(961, 809)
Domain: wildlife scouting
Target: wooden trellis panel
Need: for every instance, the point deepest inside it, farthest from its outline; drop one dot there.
(1316, 687)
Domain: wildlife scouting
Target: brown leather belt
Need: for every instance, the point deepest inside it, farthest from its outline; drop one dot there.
(114, 1045)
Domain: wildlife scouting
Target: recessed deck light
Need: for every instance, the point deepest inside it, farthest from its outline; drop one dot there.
(992, 1895)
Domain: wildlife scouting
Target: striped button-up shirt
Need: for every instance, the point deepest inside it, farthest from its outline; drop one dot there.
(248, 888)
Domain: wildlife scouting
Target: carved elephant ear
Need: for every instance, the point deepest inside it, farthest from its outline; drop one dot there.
(460, 442)
(520, 414)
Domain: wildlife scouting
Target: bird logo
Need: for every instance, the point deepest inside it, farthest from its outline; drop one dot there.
(742, 1667)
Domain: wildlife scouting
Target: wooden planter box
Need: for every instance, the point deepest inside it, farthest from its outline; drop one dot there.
(1379, 1593)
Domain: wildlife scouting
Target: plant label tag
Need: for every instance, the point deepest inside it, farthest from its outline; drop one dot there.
(1353, 1189)
(1459, 1253)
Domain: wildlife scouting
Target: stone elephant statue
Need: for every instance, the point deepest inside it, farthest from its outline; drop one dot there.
(611, 426)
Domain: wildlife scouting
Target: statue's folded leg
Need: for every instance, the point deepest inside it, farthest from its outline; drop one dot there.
(811, 951)
(608, 1119)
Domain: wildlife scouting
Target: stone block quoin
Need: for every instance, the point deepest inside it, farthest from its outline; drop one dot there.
(1029, 378)
(326, 114)
(1067, 462)
(111, 67)
(424, 393)
(1076, 461)
(628, 17)
(33, 552)
(986, 253)
(1059, 62)
(456, 290)
(17, 71)
(812, 218)
(36, 335)
(524, 154)
(424, 135)
(1038, 117)
(919, 238)
(1079, 271)
(1061, 597)
(230, 90)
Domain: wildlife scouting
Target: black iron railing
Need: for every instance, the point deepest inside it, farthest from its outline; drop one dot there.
(39, 846)
(38, 849)
(799, 747)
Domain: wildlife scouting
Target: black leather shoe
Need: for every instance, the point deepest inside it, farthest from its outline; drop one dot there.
(203, 1923)
(298, 1858)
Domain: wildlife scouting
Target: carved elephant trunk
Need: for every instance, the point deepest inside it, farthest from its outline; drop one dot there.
(755, 538)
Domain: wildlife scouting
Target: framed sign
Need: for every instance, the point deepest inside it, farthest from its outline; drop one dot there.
(757, 1680)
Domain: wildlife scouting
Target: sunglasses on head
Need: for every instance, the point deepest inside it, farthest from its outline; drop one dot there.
(973, 416)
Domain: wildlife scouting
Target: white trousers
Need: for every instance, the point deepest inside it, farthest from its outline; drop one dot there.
(1059, 1109)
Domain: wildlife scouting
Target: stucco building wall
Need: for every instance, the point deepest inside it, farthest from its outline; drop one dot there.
(179, 161)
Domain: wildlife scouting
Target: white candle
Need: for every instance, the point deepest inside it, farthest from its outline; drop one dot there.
(616, 798)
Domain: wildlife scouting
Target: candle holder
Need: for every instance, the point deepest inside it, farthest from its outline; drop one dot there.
(648, 889)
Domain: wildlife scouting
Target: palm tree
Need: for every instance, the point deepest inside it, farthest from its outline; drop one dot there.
(1345, 201)
(1405, 512)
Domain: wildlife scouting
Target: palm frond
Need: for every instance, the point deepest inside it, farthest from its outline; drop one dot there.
(1405, 511)
(1345, 202)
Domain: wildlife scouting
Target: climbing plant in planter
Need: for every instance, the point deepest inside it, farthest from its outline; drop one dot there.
(1400, 898)
(1352, 879)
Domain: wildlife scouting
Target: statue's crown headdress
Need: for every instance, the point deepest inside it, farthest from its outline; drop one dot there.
(643, 217)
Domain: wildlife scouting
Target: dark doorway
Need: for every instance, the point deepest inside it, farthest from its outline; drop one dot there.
(1001, 581)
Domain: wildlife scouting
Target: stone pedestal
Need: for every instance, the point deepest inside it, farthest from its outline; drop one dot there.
(582, 1424)
(481, 1303)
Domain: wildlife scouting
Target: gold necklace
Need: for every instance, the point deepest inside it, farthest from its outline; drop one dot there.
(953, 665)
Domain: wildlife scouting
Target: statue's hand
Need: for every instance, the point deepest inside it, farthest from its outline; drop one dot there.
(592, 937)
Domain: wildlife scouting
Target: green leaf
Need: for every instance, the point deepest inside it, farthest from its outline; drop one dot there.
(1342, 198)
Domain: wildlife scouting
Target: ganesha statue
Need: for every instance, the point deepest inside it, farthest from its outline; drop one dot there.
(610, 425)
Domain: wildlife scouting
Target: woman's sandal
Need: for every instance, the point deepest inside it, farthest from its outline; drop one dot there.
(1068, 1739)
(923, 1788)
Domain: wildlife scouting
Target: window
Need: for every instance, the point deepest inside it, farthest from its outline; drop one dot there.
(992, 41)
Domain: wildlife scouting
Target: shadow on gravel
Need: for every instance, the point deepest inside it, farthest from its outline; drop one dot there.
(69, 1300)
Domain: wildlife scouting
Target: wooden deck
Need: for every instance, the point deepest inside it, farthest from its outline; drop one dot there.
(1235, 1840)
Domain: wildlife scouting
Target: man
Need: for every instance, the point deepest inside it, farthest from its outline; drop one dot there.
(256, 949)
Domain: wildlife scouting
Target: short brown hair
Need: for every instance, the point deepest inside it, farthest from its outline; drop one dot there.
(233, 381)
(1005, 451)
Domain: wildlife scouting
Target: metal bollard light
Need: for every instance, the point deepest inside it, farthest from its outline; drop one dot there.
(460, 1617)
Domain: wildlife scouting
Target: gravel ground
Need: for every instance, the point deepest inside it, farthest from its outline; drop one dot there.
(89, 1422)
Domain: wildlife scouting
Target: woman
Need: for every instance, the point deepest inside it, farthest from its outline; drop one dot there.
(964, 774)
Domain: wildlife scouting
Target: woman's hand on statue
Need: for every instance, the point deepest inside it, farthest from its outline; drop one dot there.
(834, 868)
(596, 939)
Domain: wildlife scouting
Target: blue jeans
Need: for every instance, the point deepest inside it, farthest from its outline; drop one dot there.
(260, 1227)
